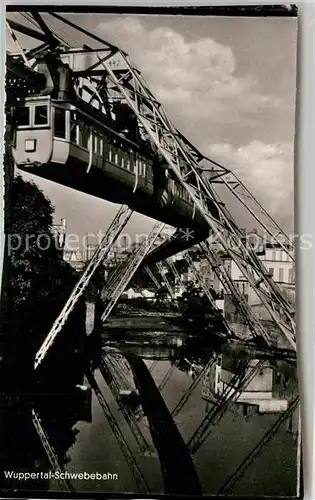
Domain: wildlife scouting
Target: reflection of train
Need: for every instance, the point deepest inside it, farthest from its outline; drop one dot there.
(65, 143)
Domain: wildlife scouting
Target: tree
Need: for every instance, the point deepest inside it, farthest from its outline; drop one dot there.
(39, 280)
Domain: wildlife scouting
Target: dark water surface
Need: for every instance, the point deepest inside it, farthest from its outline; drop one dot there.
(83, 440)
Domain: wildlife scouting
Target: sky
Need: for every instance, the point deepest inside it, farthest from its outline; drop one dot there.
(228, 84)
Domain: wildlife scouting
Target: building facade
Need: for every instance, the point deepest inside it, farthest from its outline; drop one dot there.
(259, 393)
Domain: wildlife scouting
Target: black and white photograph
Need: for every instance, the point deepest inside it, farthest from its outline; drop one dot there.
(148, 338)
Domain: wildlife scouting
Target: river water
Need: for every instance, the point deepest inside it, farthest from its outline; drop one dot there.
(274, 472)
(85, 441)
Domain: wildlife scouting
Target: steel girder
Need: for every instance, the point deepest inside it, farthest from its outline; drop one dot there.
(119, 80)
(119, 222)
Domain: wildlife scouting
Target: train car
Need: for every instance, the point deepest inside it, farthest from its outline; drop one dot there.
(62, 142)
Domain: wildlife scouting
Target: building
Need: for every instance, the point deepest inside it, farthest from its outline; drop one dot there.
(59, 233)
(74, 258)
(132, 293)
(278, 264)
(258, 395)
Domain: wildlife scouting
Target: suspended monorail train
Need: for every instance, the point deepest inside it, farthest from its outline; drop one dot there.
(63, 142)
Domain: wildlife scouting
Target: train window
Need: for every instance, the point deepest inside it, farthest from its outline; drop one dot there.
(149, 172)
(113, 150)
(116, 157)
(73, 133)
(95, 143)
(122, 159)
(73, 127)
(23, 116)
(121, 156)
(139, 166)
(100, 144)
(106, 147)
(128, 159)
(85, 134)
(41, 115)
(60, 123)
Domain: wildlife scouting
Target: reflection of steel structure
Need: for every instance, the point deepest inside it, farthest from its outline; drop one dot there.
(112, 374)
(226, 488)
(230, 394)
(258, 393)
(192, 387)
(179, 474)
(51, 453)
(167, 376)
(125, 448)
(110, 80)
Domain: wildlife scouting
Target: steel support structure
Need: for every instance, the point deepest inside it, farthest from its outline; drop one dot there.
(115, 382)
(167, 376)
(152, 277)
(183, 400)
(198, 279)
(125, 448)
(240, 471)
(174, 271)
(51, 453)
(200, 176)
(229, 285)
(165, 280)
(184, 166)
(119, 222)
(228, 179)
(229, 396)
(153, 365)
(120, 282)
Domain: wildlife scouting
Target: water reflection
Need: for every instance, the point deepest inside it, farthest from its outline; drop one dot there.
(194, 379)
(37, 432)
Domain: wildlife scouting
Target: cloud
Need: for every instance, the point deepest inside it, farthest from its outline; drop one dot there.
(198, 82)
(266, 170)
(199, 75)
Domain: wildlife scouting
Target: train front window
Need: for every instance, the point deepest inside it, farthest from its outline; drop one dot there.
(73, 127)
(60, 123)
(23, 116)
(41, 115)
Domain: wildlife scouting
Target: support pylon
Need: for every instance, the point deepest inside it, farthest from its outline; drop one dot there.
(124, 274)
(117, 225)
